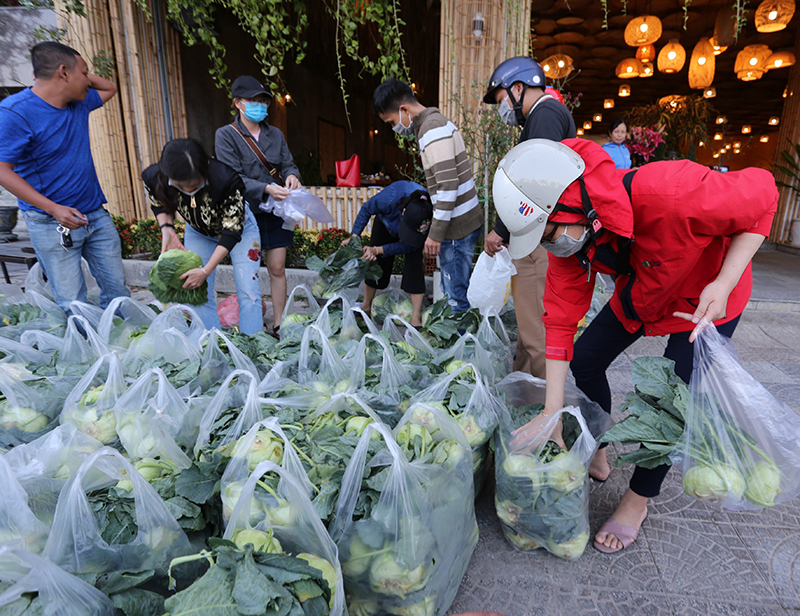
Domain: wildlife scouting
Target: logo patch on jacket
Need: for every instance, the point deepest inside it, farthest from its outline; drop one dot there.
(651, 263)
(525, 209)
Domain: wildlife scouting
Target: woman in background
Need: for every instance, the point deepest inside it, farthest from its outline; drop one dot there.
(615, 146)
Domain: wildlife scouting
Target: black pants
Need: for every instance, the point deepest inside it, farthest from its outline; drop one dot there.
(413, 271)
(602, 342)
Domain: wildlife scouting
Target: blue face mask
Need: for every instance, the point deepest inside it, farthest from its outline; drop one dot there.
(255, 112)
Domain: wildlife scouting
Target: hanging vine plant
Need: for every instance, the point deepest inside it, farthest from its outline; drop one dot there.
(740, 17)
(604, 3)
(686, 5)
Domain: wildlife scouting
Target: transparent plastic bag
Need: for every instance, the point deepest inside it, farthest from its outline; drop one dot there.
(35, 282)
(233, 410)
(123, 320)
(211, 344)
(321, 363)
(170, 350)
(29, 406)
(82, 344)
(418, 350)
(152, 421)
(541, 490)
(410, 554)
(468, 349)
(91, 313)
(90, 405)
(490, 283)
(22, 354)
(392, 301)
(17, 520)
(30, 311)
(330, 318)
(265, 441)
(300, 532)
(182, 318)
(293, 321)
(374, 353)
(740, 446)
(296, 206)
(58, 592)
(76, 543)
(474, 408)
(43, 466)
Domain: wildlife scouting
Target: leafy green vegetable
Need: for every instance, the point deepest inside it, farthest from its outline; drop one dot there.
(343, 269)
(165, 278)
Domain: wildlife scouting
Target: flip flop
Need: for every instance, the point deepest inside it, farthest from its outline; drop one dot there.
(625, 534)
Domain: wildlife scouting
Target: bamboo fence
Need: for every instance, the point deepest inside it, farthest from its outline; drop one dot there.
(465, 60)
(789, 200)
(128, 133)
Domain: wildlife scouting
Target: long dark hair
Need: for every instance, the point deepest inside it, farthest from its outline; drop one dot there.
(182, 160)
(615, 124)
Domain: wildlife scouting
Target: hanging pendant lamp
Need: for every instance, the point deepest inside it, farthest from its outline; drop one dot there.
(701, 65)
(644, 30)
(774, 15)
(718, 49)
(672, 57)
(646, 54)
(557, 66)
(629, 68)
(780, 59)
(624, 91)
(751, 62)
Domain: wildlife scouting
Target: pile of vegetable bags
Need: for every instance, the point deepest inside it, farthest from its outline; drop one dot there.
(154, 435)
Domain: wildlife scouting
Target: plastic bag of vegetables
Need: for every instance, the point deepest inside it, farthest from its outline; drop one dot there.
(295, 317)
(22, 354)
(100, 528)
(233, 410)
(343, 271)
(319, 361)
(216, 346)
(90, 405)
(740, 446)
(37, 586)
(82, 344)
(171, 351)
(29, 405)
(261, 568)
(123, 321)
(153, 421)
(407, 557)
(470, 402)
(20, 312)
(542, 489)
(374, 368)
(392, 301)
(415, 349)
(43, 466)
(469, 350)
(264, 442)
(17, 520)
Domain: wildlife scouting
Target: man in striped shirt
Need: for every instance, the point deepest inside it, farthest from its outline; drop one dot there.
(457, 215)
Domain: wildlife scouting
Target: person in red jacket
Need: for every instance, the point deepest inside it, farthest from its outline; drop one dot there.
(678, 238)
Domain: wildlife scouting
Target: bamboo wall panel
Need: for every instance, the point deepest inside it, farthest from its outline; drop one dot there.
(466, 61)
(343, 203)
(128, 134)
(788, 203)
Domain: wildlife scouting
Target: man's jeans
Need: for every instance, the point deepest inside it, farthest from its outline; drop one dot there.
(455, 260)
(97, 242)
(246, 260)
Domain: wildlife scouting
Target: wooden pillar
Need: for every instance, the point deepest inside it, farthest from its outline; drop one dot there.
(468, 53)
(789, 200)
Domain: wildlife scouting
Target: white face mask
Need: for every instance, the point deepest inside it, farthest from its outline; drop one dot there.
(402, 129)
(507, 114)
(565, 245)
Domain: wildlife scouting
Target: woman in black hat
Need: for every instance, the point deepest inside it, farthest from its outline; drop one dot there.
(259, 154)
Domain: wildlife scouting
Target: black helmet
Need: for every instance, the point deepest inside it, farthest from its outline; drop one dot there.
(521, 68)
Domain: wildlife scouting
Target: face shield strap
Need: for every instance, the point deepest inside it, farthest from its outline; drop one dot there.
(591, 215)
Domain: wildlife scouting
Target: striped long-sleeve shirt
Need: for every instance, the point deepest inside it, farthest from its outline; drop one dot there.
(448, 173)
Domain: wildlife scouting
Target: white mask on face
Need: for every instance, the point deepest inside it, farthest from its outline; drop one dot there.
(402, 129)
(565, 245)
(507, 114)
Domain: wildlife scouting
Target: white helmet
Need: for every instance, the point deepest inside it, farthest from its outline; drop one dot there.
(527, 185)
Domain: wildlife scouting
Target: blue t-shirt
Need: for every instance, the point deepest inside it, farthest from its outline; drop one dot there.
(619, 153)
(49, 148)
(384, 206)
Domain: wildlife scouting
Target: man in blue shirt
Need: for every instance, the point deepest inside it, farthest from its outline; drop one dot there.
(403, 214)
(46, 162)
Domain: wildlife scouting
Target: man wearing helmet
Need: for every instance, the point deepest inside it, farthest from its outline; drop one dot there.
(677, 237)
(517, 87)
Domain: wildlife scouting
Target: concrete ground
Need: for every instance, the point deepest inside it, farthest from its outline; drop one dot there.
(690, 558)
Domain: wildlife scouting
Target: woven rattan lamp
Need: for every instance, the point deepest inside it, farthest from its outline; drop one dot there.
(644, 30)
(710, 92)
(780, 59)
(718, 49)
(646, 53)
(629, 68)
(557, 66)
(624, 91)
(751, 62)
(608, 103)
(672, 57)
(774, 15)
(647, 70)
(701, 65)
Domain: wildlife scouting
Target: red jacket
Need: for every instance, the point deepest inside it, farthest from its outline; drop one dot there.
(681, 217)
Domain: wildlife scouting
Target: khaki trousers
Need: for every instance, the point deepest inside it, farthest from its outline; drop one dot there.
(527, 287)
